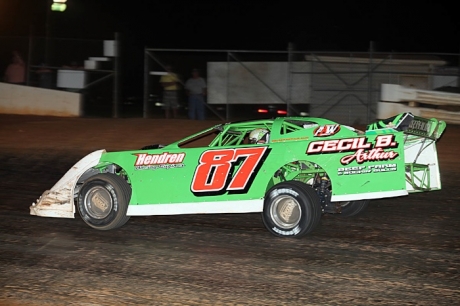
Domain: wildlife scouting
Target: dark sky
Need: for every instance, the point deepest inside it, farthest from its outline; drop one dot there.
(406, 26)
(400, 26)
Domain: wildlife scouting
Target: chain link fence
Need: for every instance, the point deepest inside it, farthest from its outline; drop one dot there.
(341, 86)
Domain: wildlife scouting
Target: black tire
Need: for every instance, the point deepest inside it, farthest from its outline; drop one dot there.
(112, 193)
(301, 203)
(352, 208)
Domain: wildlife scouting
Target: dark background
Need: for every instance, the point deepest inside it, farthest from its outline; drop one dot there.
(391, 26)
(403, 26)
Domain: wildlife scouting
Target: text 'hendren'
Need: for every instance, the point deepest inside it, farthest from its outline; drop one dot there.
(157, 159)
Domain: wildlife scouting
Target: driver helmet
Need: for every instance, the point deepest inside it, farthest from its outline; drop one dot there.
(259, 136)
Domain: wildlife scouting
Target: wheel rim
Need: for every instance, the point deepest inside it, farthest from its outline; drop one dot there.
(285, 212)
(98, 202)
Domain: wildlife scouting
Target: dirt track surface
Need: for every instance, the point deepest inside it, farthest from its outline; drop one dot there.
(401, 251)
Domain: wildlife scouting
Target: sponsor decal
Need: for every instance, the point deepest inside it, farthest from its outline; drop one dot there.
(292, 232)
(367, 169)
(276, 192)
(363, 150)
(289, 139)
(99, 201)
(326, 130)
(338, 145)
(164, 166)
(419, 127)
(164, 160)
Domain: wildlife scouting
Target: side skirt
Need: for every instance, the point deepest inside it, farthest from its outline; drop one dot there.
(369, 195)
(221, 207)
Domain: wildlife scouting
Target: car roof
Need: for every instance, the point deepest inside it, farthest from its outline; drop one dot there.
(277, 126)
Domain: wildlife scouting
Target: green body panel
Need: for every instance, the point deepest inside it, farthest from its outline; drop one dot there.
(369, 176)
(227, 168)
(355, 177)
(174, 185)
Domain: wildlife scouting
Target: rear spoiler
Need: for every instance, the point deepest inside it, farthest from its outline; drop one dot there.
(420, 156)
(412, 125)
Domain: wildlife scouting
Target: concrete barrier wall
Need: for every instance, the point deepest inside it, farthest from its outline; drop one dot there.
(396, 99)
(26, 100)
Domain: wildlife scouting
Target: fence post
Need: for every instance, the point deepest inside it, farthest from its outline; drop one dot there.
(369, 86)
(458, 70)
(145, 108)
(29, 56)
(47, 31)
(289, 79)
(227, 106)
(116, 78)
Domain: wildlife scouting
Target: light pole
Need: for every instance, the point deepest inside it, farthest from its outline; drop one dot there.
(47, 30)
(56, 6)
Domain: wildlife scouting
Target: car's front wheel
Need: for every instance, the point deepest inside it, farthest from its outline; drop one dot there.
(291, 209)
(103, 201)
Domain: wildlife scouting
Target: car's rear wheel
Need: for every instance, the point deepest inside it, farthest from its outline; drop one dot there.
(291, 209)
(103, 201)
(353, 208)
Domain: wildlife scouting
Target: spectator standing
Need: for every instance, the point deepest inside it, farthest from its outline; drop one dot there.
(15, 73)
(170, 83)
(196, 90)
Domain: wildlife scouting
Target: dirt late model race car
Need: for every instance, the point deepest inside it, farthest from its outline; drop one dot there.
(292, 170)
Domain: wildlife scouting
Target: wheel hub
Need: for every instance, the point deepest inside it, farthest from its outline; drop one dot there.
(286, 212)
(98, 202)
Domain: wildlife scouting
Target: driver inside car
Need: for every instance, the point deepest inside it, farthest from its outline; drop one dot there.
(259, 136)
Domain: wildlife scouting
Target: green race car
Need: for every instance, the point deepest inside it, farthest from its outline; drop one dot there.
(291, 169)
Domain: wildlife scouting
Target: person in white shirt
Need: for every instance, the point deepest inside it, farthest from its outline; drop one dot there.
(196, 90)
